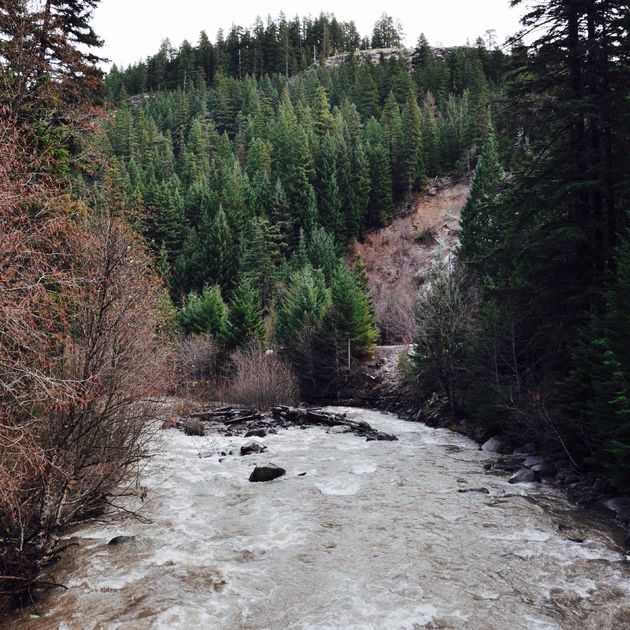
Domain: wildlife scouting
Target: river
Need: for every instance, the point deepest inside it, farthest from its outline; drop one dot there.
(375, 535)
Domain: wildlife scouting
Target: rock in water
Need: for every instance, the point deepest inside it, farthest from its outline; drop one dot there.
(494, 445)
(253, 447)
(120, 540)
(480, 490)
(256, 433)
(268, 472)
(194, 427)
(524, 475)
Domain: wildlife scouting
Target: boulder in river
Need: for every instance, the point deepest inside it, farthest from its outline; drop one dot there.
(621, 507)
(253, 447)
(194, 427)
(268, 472)
(256, 433)
(524, 475)
(121, 540)
(532, 460)
(480, 490)
(494, 445)
(544, 469)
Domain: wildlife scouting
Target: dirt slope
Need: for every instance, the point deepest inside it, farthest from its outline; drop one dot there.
(398, 256)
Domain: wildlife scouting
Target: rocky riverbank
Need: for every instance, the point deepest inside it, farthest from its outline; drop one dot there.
(376, 386)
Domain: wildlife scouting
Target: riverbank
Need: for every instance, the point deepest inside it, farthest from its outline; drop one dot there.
(377, 386)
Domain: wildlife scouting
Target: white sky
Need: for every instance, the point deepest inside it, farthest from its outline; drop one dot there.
(134, 29)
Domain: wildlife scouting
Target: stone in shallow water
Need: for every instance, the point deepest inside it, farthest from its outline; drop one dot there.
(253, 447)
(120, 540)
(268, 472)
(524, 475)
(494, 445)
(480, 490)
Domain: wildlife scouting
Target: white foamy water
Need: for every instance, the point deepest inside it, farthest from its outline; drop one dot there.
(375, 535)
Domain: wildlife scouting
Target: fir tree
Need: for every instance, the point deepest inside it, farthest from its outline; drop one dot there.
(246, 324)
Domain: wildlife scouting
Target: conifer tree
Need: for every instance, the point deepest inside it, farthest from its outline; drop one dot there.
(246, 326)
(221, 254)
(380, 202)
(391, 124)
(413, 152)
(328, 193)
(476, 222)
(352, 314)
(299, 324)
(204, 312)
(167, 226)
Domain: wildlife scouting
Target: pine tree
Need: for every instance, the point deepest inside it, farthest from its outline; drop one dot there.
(299, 324)
(262, 259)
(328, 193)
(413, 152)
(391, 125)
(353, 314)
(380, 202)
(221, 254)
(167, 226)
(246, 326)
(476, 222)
(204, 313)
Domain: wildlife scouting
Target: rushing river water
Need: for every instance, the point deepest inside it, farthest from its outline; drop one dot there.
(375, 535)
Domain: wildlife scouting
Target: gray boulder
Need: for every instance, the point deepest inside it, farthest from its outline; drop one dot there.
(544, 469)
(480, 490)
(121, 540)
(524, 475)
(494, 445)
(621, 507)
(194, 427)
(532, 460)
(256, 433)
(253, 447)
(268, 472)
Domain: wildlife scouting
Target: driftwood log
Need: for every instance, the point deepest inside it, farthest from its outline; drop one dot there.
(235, 420)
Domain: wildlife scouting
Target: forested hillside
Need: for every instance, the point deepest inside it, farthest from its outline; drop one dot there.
(250, 190)
(529, 332)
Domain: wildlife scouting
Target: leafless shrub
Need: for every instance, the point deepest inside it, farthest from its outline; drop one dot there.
(196, 359)
(80, 360)
(261, 379)
(395, 315)
(446, 314)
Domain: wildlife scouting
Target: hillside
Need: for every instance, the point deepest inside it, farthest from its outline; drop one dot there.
(398, 256)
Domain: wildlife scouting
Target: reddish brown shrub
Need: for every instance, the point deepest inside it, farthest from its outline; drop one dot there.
(80, 357)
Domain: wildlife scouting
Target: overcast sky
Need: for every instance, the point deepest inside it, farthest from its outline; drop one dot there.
(134, 29)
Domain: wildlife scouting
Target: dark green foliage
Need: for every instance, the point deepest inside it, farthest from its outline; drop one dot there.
(549, 353)
(246, 326)
(380, 200)
(328, 193)
(299, 324)
(413, 166)
(353, 315)
(204, 312)
(386, 34)
(479, 221)
(257, 184)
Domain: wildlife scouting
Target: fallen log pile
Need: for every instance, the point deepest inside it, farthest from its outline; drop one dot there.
(243, 421)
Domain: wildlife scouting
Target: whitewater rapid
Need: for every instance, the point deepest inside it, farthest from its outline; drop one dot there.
(375, 535)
